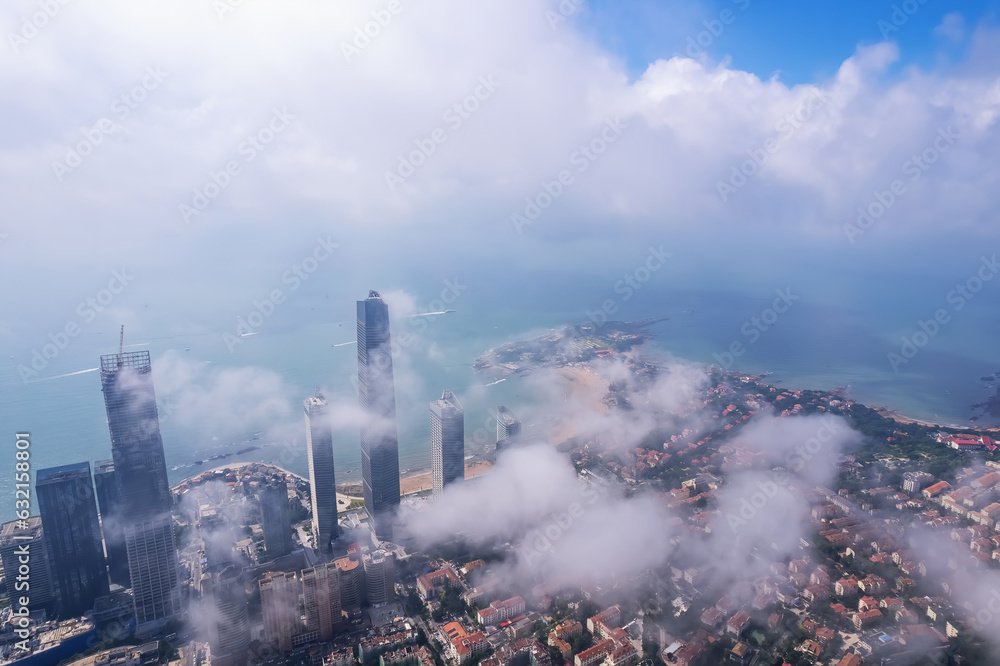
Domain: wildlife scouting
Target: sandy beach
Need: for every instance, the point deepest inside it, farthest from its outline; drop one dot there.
(415, 482)
(899, 418)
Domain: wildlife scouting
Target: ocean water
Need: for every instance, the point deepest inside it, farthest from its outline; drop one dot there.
(813, 344)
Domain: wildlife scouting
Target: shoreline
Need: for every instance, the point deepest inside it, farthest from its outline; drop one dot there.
(413, 483)
(586, 380)
(902, 418)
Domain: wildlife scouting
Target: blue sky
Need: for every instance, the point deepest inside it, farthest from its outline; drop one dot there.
(802, 42)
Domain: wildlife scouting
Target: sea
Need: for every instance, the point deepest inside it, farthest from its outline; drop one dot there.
(810, 344)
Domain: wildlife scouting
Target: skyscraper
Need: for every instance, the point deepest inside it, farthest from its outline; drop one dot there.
(111, 522)
(380, 577)
(321, 599)
(447, 441)
(322, 479)
(14, 541)
(72, 536)
(279, 603)
(352, 584)
(276, 520)
(379, 446)
(224, 592)
(508, 428)
(143, 491)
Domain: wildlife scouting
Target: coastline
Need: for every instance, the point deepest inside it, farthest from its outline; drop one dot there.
(902, 418)
(587, 387)
(413, 483)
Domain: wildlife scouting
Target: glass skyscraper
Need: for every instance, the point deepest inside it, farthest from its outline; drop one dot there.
(447, 441)
(322, 478)
(276, 520)
(379, 445)
(143, 490)
(111, 522)
(72, 536)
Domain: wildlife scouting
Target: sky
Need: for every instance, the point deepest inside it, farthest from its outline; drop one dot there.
(203, 77)
(179, 162)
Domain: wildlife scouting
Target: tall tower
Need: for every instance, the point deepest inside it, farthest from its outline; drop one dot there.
(72, 536)
(322, 479)
(380, 577)
(279, 602)
(447, 441)
(224, 592)
(143, 491)
(508, 428)
(276, 519)
(352, 584)
(111, 522)
(379, 446)
(14, 540)
(321, 599)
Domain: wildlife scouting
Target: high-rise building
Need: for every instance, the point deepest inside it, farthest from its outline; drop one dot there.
(380, 577)
(447, 441)
(279, 602)
(322, 479)
(223, 591)
(15, 541)
(352, 584)
(321, 599)
(143, 490)
(72, 536)
(508, 428)
(276, 518)
(379, 445)
(111, 522)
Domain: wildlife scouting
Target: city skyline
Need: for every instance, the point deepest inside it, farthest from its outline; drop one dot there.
(506, 333)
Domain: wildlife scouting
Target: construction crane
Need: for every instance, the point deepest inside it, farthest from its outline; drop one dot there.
(121, 346)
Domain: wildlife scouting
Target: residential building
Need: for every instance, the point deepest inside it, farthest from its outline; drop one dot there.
(447, 441)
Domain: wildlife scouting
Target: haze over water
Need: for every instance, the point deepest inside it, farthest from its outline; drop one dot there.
(812, 345)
